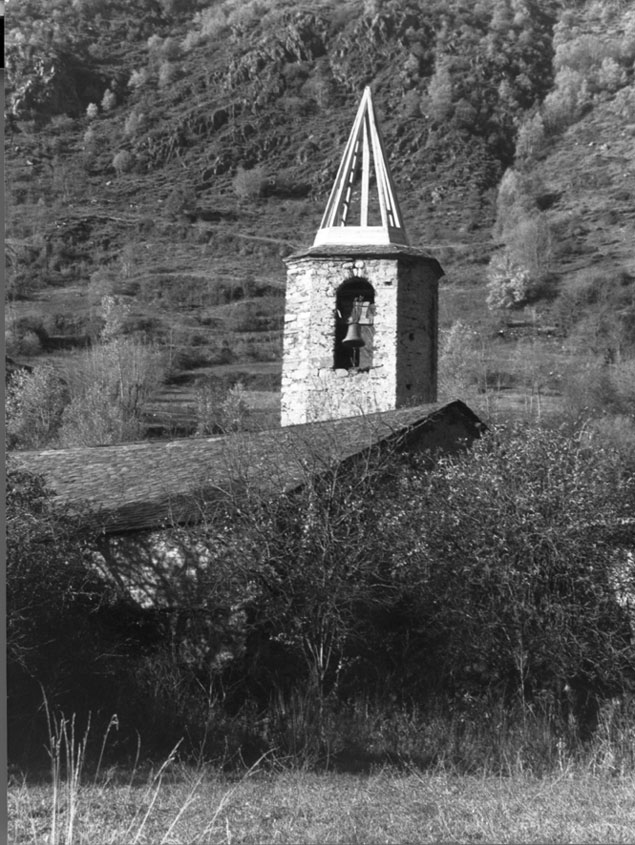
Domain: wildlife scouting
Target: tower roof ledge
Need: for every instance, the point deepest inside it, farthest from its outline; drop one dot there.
(356, 251)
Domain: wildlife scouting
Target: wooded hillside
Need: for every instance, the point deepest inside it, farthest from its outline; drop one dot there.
(163, 157)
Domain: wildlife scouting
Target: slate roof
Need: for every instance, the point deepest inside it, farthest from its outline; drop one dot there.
(362, 251)
(139, 486)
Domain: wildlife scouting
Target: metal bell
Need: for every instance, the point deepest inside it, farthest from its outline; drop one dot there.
(353, 337)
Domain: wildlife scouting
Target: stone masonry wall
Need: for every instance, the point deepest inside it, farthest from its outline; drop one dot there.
(312, 389)
(417, 334)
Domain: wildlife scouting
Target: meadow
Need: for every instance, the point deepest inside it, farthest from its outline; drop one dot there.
(186, 805)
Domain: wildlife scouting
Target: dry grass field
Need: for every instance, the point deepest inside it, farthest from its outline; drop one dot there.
(189, 806)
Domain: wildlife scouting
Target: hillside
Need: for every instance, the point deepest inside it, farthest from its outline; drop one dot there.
(163, 158)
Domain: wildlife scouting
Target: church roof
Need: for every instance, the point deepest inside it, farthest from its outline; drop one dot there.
(149, 485)
(369, 214)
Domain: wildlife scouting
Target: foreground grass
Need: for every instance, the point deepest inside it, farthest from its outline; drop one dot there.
(193, 806)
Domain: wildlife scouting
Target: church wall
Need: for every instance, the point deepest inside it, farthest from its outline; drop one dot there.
(417, 340)
(404, 348)
(312, 389)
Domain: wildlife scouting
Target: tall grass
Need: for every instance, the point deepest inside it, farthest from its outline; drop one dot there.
(412, 759)
(64, 812)
(468, 736)
(67, 755)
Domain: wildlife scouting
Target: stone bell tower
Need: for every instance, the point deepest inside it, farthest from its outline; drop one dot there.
(360, 329)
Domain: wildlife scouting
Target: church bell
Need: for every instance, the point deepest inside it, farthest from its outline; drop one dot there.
(353, 338)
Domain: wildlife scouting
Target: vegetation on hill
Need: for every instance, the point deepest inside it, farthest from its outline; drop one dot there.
(169, 154)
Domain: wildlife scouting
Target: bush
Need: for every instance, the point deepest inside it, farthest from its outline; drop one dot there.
(26, 343)
(123, 162)
(170, 49)
(220, 411)
(181, 198)
(484, 576)
(596, 390)
(440, 94)
(90, 139)
(107, 389)
(611, 76)
(33, 408)
(168, 72)
(73, 636)
(567, 102)
(615, 432)
(109, 100)
(509, 283)
(51, 594)
(513, 200)
(516, 274)
(249, 184)
(530, 139)
(510, 581)
(100, 398)
(138, 78)
(461, 367)
(490, 571)
(134, 123)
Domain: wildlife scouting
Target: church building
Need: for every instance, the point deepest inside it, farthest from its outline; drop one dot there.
(359, 373)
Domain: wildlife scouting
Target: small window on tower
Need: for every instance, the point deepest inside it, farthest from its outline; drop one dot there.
(354, 326)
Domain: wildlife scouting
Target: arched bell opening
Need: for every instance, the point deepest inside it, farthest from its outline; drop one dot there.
(354, 325)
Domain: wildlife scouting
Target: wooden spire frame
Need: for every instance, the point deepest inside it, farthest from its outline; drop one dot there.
(364, 142)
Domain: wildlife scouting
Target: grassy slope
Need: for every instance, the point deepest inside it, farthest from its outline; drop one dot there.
(136, 247)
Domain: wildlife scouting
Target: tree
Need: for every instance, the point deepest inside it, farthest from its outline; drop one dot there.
(440, 92)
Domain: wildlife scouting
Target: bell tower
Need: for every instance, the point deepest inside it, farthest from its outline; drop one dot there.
(360, 329)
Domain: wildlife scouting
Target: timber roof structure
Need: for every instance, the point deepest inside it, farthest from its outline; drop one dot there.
(374, 204)
(150, 485)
